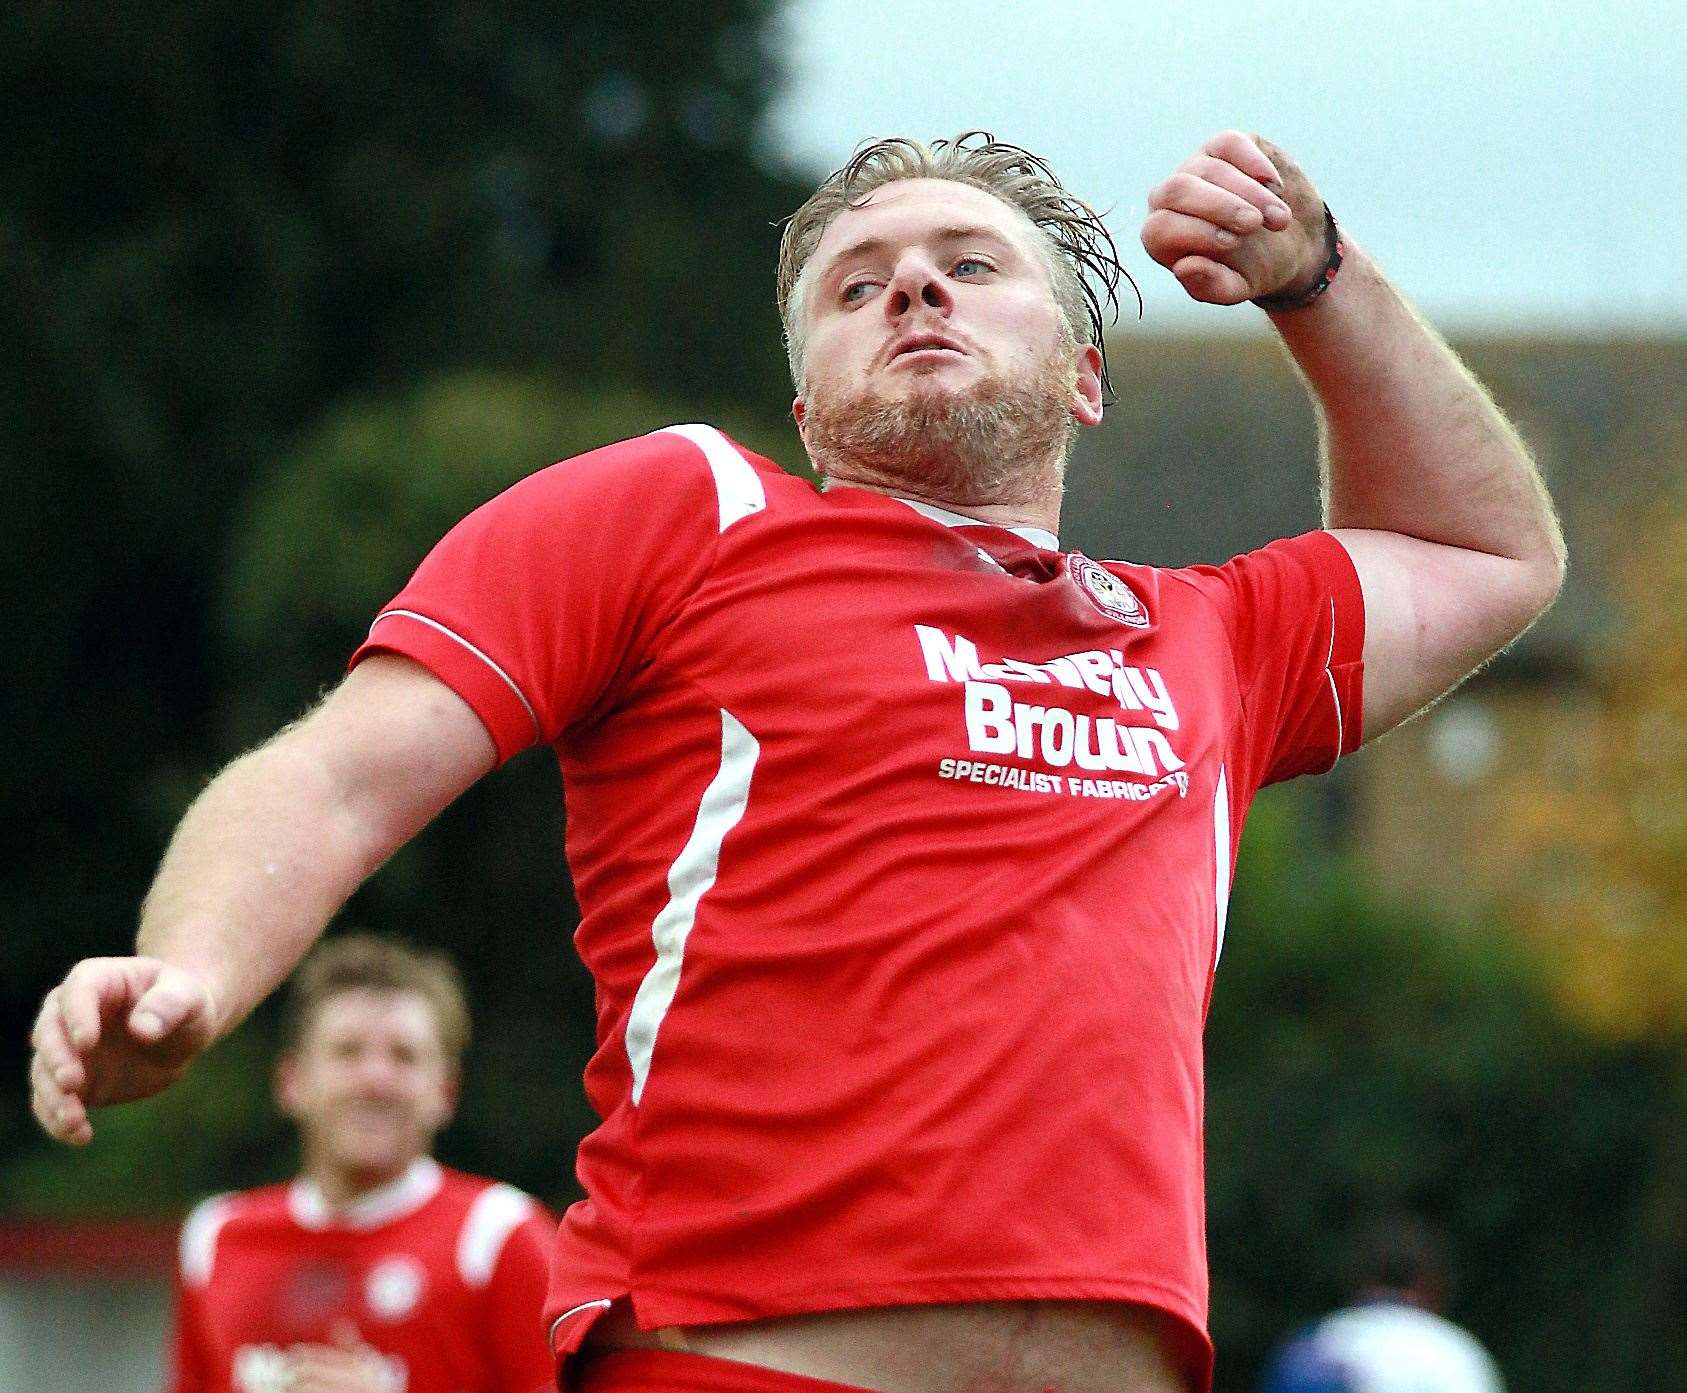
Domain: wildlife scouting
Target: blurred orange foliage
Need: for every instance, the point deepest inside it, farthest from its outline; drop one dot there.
(1601, 860)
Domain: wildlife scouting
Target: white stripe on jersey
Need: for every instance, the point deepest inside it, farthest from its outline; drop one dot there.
(603, 1303)
(1335, 696)
(689, 879)
(1221, 858)
(496, 1213)
(509, 681)
(737, 489)
(1037, 536)
(196, 1252)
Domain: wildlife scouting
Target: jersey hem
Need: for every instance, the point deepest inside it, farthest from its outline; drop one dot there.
(655, 1306)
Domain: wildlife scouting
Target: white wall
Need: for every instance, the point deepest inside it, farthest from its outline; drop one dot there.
(81, 1335)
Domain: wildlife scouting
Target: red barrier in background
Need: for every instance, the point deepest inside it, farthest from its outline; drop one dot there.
(88, 1248)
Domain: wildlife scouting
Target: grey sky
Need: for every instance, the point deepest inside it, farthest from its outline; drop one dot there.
(1514, 165)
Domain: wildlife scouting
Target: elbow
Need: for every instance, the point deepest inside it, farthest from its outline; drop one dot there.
(1549, 573)
(1540, 566)
(1536, 585)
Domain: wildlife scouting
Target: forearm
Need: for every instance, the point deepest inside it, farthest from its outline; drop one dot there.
(261, 862)
(259, 865)
(1411, 442)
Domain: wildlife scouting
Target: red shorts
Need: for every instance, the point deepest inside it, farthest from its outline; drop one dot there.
(669, 1371)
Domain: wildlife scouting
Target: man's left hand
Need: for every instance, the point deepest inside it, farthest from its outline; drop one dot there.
(346, 1366)
(1236, 221)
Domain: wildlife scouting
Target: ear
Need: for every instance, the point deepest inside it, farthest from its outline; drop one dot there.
(1086, 392)
(445, 1103)
(286, 1082)
(799, 414)
(450, 1096)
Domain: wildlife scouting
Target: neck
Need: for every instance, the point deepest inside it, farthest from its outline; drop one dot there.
(1040, 508)
(342, 1186)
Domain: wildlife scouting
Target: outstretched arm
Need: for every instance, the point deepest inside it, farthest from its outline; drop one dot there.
(262, 860)
(1425, 482)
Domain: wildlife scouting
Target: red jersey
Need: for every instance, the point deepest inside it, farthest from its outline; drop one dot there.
(902, 845)
(442, 1273)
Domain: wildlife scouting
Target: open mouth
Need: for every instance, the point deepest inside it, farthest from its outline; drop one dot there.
(927, 346)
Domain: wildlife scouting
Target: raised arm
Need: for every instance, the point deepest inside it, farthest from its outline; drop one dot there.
(1425, 482)
(259, 865)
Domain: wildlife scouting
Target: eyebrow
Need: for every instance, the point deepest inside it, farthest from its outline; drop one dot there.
(872, 246)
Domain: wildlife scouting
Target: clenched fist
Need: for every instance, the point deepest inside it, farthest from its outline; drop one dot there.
(1238, 220)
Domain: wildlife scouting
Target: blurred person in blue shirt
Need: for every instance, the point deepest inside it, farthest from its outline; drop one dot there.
(1391, 1339)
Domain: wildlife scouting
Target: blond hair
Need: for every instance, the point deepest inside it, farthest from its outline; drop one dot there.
(375, 963)
(1082, 261)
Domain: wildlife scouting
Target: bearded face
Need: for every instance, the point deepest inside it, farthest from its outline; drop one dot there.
(991, 440)
(935, 360)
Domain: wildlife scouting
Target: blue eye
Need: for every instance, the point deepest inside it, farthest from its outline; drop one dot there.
(850, 292)
(974, 262)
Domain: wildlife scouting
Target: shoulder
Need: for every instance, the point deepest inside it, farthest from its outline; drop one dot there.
(491, 1213)
(691, 466)
(1458, 1346)
(209, 1223)
(1316, 552)
(741, 478)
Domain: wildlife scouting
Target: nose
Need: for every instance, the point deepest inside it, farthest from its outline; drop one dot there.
(917, 282)
(376, 1070)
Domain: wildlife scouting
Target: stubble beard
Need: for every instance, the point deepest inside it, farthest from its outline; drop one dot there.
(1002, 440)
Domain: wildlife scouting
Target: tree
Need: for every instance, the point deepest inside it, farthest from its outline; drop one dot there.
(215, 222)
(1367, 1058)
(323, 543)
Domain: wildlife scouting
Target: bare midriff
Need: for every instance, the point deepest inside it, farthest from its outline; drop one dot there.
(990, 1347)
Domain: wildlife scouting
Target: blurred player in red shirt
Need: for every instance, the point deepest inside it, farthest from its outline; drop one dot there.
(902, 833)
(377, 1270)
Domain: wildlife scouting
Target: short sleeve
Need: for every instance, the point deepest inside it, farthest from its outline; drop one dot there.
(539, 604)
(1295, 619)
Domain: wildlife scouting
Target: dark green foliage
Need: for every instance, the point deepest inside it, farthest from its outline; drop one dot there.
(1366, 1059)
(215, 1130)
(358, 502)
(218, 221)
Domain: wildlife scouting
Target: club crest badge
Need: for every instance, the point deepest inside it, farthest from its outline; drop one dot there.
(312, 1292)
(1106, 591)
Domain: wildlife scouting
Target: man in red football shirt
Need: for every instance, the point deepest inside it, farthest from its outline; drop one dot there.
(902, 837)
(377, 1270)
